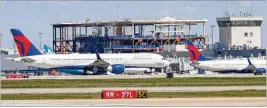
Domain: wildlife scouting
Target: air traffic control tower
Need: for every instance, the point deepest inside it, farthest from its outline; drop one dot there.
(243, 32)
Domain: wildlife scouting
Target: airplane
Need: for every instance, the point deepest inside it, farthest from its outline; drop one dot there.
(224, 66)
(48, 50)
(86, 64)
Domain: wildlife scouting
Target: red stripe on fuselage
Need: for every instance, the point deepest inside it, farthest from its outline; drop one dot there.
(25, 42)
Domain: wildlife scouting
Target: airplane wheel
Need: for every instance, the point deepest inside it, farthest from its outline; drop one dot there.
(84, 70)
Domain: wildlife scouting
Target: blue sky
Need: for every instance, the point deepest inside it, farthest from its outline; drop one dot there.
(33, 17)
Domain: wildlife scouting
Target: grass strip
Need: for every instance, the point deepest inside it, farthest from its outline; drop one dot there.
(149, 82)
(246, 93)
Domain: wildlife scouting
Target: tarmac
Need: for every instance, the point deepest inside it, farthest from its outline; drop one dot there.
(193, 102)
(132, 76)
(186, 102)
(149, 89)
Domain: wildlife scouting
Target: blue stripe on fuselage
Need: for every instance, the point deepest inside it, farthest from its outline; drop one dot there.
(82, 66)
(70, 67)
(232, 71)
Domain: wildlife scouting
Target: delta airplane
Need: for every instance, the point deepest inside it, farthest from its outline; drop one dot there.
(87, 64)
(224, 66)
(48, 50)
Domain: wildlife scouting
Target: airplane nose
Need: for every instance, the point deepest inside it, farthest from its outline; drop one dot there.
(166, 63)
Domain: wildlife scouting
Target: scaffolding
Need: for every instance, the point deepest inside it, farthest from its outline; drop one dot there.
(124, 35)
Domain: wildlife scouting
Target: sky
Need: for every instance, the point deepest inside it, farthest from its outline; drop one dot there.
(33, 17)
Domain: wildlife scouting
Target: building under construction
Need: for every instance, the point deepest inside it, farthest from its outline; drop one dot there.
(126, 35)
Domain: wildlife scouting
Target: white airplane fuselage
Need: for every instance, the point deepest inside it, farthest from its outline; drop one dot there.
(229, 65)
(76, 60)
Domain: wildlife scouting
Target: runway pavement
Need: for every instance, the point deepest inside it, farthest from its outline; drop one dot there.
(133, 76)
(149, 89)
(237, 101)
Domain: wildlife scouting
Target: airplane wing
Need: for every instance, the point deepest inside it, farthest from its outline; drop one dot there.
(250, 67)
(97, 66)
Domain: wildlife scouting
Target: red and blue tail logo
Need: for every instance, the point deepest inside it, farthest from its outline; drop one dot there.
(25, 47)
(194, 53)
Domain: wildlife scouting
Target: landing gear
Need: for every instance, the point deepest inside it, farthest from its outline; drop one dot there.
(258, 73)
(84, 71)
(162, 70)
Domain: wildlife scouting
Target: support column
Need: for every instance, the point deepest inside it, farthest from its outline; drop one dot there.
(106, 31)
(133, 31)
(154, 33)
(182, 33)
(174, 29)
(54, 39)
(80, 31)
(85, 31)
(141, 30)
(74, 46)
(189, 30)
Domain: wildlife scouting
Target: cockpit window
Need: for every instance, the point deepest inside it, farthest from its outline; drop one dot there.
(163, 59)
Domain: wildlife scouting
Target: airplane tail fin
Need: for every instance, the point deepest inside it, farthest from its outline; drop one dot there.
(24, 46)
(97, 55)
(194, 53)
(48, 50)
(249, 62)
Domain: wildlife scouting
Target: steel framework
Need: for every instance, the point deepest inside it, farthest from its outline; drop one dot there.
(123, 35)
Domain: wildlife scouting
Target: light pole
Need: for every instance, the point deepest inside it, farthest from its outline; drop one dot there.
(118, 6)
(40, 36)
(212, 33)
(1, 40)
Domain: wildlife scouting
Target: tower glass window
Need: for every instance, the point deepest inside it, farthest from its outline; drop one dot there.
(239, 23)
(246, 35)
(251, 34)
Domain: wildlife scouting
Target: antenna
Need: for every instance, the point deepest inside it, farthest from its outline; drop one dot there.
(118, 6)
(233, 10)
(227, 9)
(250, 7)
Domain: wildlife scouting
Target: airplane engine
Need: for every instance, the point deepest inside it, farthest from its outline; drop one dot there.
(89, 73)
(260, 70)
(116, 68)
